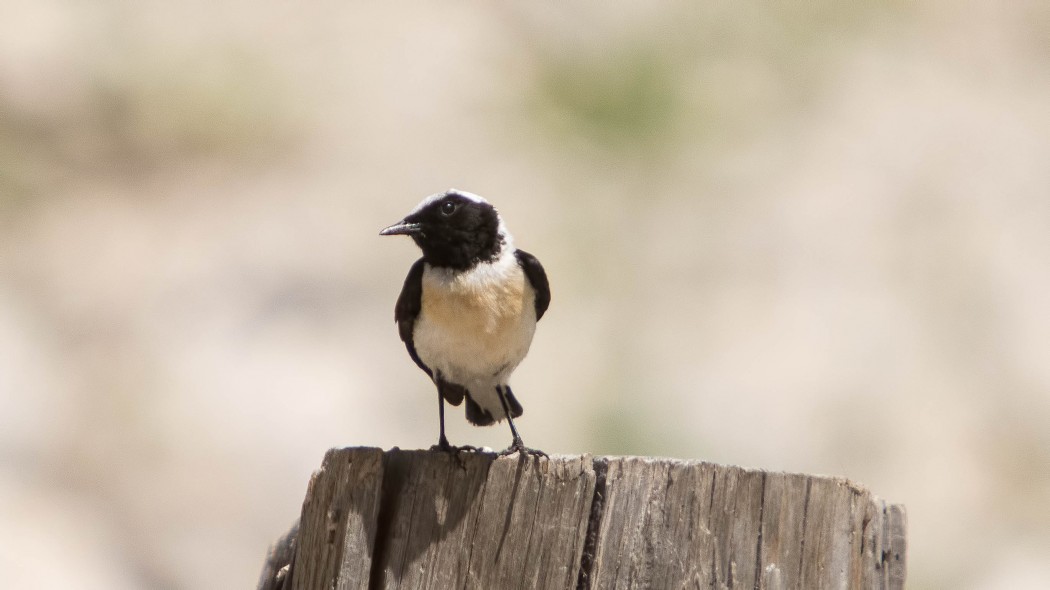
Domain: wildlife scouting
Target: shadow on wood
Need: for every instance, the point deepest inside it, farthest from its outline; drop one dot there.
(421, 519)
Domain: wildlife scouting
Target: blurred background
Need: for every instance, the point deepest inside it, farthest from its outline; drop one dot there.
(801, 236)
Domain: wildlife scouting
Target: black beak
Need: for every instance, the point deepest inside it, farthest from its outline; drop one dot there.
(403, 228)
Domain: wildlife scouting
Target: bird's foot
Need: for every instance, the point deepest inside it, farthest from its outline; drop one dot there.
(444, 446)
(519, 447)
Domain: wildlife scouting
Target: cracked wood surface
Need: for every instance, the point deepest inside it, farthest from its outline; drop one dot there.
(420, 519)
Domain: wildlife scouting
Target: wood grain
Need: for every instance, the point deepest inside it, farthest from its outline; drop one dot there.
(428, 520)
(337, 530)
(485, 523)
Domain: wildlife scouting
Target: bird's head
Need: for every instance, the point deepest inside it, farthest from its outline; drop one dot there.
(454, 229)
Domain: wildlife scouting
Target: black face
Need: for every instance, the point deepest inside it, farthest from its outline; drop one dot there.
(454, 231)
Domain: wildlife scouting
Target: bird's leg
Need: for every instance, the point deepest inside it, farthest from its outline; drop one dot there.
(442, 440)
(443, 444)
(517, 446)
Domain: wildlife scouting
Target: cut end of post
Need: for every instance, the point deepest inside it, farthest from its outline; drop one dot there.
(399, 519)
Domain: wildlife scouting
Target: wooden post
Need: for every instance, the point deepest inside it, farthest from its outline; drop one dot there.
(418, 519)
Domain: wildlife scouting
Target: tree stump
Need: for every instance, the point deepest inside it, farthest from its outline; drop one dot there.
(419, 519)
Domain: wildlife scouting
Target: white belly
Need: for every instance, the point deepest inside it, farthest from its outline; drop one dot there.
(476, 327)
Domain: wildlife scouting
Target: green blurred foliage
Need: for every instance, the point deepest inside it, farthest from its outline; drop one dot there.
(629, 102)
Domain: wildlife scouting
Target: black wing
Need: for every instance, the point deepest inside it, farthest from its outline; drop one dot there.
(407, 310)
(537, 278)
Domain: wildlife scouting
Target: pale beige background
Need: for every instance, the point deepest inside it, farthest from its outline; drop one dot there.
(809, 238)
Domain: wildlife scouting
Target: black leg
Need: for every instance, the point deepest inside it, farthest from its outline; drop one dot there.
(443, 444)
(517, 446)
(442, 441)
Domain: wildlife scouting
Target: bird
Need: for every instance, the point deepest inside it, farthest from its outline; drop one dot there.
(468, 309)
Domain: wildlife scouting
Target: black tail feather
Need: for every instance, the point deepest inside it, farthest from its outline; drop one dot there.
(515, 406)
(476, 415)
(482, 417)
(452, 393)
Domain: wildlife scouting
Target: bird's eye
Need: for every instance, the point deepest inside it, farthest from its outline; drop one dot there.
(448, 208)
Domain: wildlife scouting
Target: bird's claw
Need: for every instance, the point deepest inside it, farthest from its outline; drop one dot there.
(519, 447)
(444, 447)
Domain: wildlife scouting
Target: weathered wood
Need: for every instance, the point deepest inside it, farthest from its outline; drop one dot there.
(337, 529)
(278, 566)
(477, 522)
(419, 519)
